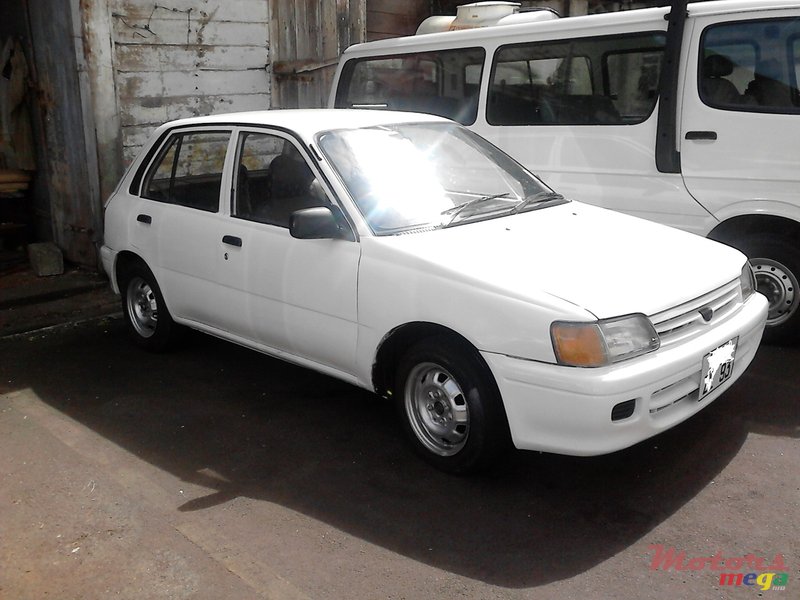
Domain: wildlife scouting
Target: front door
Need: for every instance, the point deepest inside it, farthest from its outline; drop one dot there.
(295, 296)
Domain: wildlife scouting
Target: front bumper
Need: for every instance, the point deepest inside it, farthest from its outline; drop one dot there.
(567, 410)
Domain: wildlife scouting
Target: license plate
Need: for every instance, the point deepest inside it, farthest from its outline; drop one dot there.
(717, 367)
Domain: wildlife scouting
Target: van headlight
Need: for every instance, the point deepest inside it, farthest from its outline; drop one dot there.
(748, 281)
(603, 342)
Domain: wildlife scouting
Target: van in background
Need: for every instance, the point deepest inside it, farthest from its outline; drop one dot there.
(687, 115)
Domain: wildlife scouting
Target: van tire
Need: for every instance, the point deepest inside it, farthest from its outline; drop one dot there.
(776, 264)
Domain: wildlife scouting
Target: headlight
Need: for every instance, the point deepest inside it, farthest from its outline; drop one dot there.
(603, 342)
(747, 281)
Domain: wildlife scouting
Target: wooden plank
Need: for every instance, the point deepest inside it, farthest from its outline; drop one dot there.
(373, 36)
(142, 58)
(178, 33)
(411, 8)
(329, 40)
(358, 22)
(381, 22)
(192, 106)
(241, 11)
(135, 135)
(179, 83)
(297, 67)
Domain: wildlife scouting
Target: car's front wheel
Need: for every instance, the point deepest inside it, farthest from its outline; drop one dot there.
(451, 408)
(148, 321)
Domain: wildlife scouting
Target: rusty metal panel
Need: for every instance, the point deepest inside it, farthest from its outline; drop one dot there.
(186, 58)
(72, 192)
(308, 37)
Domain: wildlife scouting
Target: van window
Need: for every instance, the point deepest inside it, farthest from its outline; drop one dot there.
(444, 83)
(611, 80)
(751, 66)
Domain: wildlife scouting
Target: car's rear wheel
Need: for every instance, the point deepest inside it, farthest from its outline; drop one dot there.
(148, 321)
(451, 409)
(776, 265)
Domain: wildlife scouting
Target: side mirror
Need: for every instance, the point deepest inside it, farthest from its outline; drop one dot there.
(319, 223)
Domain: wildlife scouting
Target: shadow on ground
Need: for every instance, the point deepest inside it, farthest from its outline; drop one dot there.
(290, 436)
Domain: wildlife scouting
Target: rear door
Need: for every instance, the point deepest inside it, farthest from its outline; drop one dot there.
(181, 202)
(741, 111)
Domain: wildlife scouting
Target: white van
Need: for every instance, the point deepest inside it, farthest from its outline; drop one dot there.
(687, 116)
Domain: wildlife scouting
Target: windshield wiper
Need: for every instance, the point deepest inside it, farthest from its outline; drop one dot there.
(458, 209)
(539, 198)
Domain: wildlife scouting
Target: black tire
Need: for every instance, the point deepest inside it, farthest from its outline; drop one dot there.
(776, 264)
(462, 425)
(148, 321)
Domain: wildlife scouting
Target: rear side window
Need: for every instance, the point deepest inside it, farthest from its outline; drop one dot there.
(188, 170)
(444, 83)
(751, 66)
(610, 80)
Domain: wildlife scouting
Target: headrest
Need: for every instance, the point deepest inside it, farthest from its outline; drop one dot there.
(771, 69)
(717, 65)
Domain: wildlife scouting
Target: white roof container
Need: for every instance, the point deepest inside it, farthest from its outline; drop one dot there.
(484, 14)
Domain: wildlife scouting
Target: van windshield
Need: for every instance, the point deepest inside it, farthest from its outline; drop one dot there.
(408, 177)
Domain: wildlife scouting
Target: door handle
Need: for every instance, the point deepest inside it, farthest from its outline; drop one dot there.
(232, 240)
(146, 219)
(701, 135)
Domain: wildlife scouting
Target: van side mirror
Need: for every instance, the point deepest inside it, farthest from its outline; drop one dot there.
(320, 223)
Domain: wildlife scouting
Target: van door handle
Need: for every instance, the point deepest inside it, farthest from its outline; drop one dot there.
(146, 219)
(701, 135)
(232, 240)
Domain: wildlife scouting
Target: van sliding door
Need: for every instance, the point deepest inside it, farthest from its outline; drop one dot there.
(581, 113)
(741, 112)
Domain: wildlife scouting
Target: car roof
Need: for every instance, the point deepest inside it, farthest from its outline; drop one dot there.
(308, 122)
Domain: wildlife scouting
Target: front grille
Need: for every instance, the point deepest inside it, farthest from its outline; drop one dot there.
(680, 322)
(675, 392)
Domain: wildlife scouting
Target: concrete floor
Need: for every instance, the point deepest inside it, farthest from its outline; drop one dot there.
(215, 472)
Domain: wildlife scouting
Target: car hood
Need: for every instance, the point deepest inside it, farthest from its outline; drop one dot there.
(605, 262)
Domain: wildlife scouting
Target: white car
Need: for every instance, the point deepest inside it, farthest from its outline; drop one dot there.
(406, 255)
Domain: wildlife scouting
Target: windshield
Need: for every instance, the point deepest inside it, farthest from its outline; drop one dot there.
(427, 175)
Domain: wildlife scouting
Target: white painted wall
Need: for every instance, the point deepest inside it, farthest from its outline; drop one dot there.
(182, 58)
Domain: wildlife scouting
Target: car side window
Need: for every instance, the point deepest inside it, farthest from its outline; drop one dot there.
(751, 66)
(609, 80)
(188, 170)
(272, 180)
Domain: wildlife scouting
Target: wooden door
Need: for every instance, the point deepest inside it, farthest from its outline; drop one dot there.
(306, 39)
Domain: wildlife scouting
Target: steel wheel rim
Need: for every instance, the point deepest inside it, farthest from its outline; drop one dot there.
(142, 307)
(779, 285)
(437, 409)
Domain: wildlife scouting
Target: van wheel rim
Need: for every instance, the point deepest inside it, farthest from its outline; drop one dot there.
(142, 307)
(779, 285)
(437, 409)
